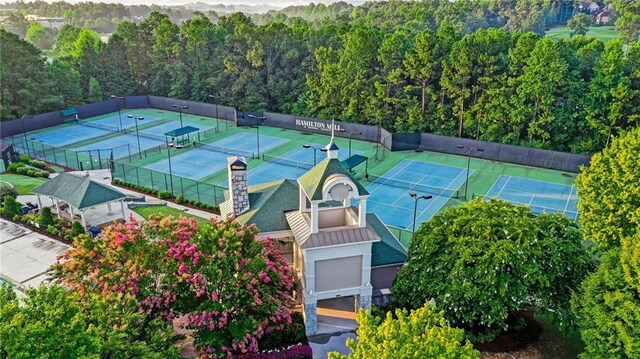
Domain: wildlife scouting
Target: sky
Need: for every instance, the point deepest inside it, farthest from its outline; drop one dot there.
(276, 3)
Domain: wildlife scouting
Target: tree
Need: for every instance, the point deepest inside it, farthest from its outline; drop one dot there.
(66, 81)
(628, 22)
(45, 323)
(66, 39)
(39, 36)
(95, 91)
(217, 277)
(486, 261)
(579, 24)
(422, 333)
(609, 308)
(609, 193)
(30, 91)
(46, 218)
(10, 206)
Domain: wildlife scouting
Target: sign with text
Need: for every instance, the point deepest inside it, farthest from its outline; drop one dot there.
(315, 125)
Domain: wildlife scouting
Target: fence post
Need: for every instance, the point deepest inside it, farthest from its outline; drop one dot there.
(151, 174)
(181, 187)
(138, 177)
(66, 161)
(124, 173)
(166, 185)
(198, 191)
(90, 160)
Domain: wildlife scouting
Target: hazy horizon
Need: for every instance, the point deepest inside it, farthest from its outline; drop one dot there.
(274, 3)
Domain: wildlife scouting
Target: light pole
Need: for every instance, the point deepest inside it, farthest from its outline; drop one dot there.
(259, 120)
(139, 118)
(118, 98)
(180, 108)
(322, 149)
(352, 133)
(214, 98)
(416, 198)
(170, 172)
(24, 134)
(469, 151)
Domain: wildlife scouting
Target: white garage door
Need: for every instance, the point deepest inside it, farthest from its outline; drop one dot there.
(332, 274)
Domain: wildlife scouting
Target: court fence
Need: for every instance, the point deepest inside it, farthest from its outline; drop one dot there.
(190, 189)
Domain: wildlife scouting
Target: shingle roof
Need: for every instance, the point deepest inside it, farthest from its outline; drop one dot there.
(345, 235)
(313, 180)
(77, 191)
(389, 250)
(267, 204)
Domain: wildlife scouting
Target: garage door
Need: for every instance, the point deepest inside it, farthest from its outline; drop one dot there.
(332, 274)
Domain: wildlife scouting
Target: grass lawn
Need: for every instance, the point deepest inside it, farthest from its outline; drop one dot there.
(603, 33)
(147, 211)
(23, 184)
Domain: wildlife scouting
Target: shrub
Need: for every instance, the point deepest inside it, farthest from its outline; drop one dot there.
(44, 174)
(37, 164)
(164, 195)
(11, 206)
(24, 159)
(46, 217)
(7, 189)
(32, 173)
(76, 229)
(53, 230)
(180, 199)
(13, 167)
(22, 170)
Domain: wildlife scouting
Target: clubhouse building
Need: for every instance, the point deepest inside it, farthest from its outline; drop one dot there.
(335, 247)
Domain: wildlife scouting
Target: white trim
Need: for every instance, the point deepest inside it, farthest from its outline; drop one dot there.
(276, 234)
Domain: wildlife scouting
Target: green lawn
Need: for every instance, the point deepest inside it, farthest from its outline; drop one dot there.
(603, 33)
(23, 184)
(147, 211)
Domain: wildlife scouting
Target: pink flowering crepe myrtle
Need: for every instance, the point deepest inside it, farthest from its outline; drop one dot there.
(232, 287)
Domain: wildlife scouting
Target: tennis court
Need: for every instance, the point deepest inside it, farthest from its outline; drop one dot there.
(205, 159)
(65, 135)
(390, 198)
(124, 145)
(114, 122)
(540, 196)
(291, 165)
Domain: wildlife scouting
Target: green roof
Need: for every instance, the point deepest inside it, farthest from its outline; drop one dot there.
(181, 131)
(314, 179)
(268, 203)
(69, 112)
(388, 250)
(78, 192)
(353, 161)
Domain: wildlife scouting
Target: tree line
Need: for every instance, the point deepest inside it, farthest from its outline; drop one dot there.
(491, 83)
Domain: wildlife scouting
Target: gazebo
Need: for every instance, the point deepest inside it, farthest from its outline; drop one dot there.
(79, 194)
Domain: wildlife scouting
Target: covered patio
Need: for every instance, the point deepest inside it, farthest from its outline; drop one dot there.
(74, 197)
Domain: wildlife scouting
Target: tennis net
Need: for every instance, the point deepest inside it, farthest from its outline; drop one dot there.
(287, 162)
(150, 136)
(417, 187)
(99, 125)
(227, 150)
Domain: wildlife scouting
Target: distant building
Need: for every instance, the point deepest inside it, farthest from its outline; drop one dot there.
(590, 7)
(52, 22)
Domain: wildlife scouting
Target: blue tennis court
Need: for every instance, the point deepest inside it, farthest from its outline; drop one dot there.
(122, 144)
(540, 196)
(390, 198)
(205, 160)
(291, 165)
(114, 121)
(62, 136)
(160, 130)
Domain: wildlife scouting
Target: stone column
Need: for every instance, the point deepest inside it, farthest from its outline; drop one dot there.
(122, 209)
(311, 318)
(364, 302)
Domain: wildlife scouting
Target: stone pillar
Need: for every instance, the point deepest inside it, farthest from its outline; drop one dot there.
(364, 302)
(311, 318)
(109, 208)
(238, 191)
(57, 208)
(39, 203)
(83, 218)
(122, 209)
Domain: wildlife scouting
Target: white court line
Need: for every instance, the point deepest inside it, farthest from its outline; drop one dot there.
(568, 199)
(440, 195)
(503, 186)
